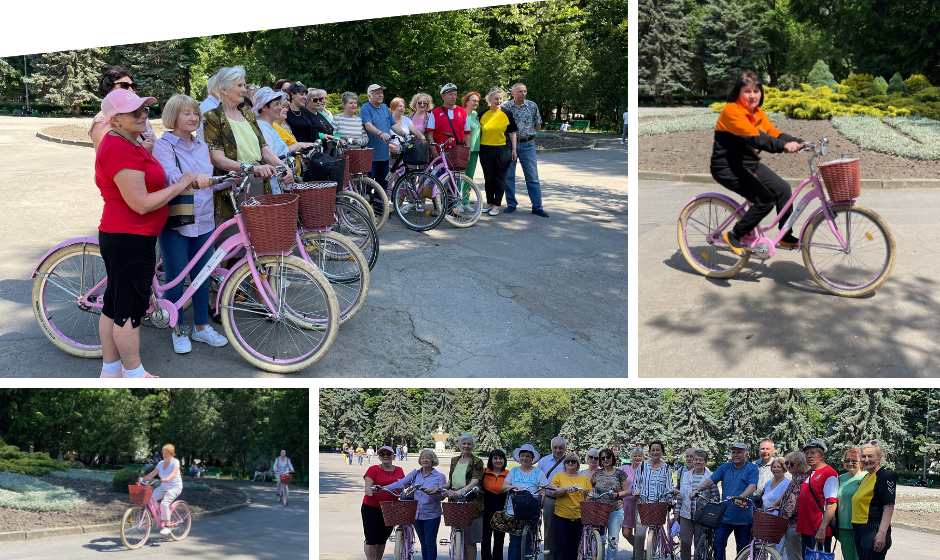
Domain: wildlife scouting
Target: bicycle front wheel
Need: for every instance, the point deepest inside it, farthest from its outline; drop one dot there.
(180, 520)
(592, 546)
(306, 322)
(419, 200)
(761, 552)
(135, 527)
(866, 262)
(700, 240)
(285, 495)
(352, 197)
(374, 195)
(359, 228)
(466, 206)
(399, 543)
(456, 545)
(704, 549)
(61, 279)
(344, 266)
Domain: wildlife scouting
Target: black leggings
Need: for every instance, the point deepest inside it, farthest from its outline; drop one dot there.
(763, 188)
(495, 162)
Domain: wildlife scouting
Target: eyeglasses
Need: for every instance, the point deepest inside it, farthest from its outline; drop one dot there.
(317, 99)
(421, 103)
(606, 458)
(872, 442)
(592, 458)
(126, 85)
(571, 461)
(139, 112)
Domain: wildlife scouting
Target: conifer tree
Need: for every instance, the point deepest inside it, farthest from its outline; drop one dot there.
(730, 41)
(693, 423)
(67, 78)
(647, 417)
(578, 428)
(440, 408)
(158, 67)
(327, 420)
(860, 415)
(610, 426)
(742, 418)
(787, 420)
(821, 76)
(395, 419)
(663, 55)
(485, 428)
(350, 416)
(896, 84)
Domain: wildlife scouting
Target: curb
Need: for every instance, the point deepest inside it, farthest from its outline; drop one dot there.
(42, 136)
(917, 528)
(866, 183)
(78, 530)
(552, 150)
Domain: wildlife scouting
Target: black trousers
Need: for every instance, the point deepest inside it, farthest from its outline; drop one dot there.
(763, 188)
(492, 548)
(865, 541)
(495, 162)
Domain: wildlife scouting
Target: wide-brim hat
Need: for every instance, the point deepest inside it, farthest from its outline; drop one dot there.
(264, 96)
(526, 447)
(123, 101)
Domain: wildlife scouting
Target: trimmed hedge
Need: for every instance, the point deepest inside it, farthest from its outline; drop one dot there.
(824, 102)
(122, 479)
(38, 464)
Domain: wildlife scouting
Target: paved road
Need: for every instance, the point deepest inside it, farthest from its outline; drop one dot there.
(516, 294)
(772, 320)
(341, 523)
(264, 531)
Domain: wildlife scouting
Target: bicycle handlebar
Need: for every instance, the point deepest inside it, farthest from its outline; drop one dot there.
(406, 492)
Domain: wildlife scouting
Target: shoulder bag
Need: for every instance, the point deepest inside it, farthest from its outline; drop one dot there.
(181, 208)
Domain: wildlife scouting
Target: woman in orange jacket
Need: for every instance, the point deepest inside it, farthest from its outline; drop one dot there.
(742, 132)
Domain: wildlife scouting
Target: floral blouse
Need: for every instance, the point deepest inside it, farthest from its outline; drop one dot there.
(219, 136)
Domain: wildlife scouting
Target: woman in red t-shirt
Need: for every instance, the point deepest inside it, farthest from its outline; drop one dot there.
(135, 210)
(373, 524)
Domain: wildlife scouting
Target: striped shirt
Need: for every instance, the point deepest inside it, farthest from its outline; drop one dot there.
(652, 483)
(350, 127)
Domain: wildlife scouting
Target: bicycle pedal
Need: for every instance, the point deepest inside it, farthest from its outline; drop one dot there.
(444, 542)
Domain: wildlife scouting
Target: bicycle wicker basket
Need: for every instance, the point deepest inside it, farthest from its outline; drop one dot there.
(360, 161)
(595, 513)
(140, 494)
(317, 203)
(458, 157)
(842, 179)
(399, 512)
(345, 161)
(272, 222)
(653, 514)
(286, 478)
(459, 514)
(768, 527)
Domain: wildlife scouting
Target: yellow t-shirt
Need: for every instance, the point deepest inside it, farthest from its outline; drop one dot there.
(287, 137)
(569, 505)
(249, 149)
(493, 126)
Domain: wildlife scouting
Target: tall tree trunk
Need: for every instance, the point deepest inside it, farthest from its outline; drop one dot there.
(187, 82)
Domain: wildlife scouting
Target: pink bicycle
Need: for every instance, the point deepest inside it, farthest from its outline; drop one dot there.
(138, 520)
(278, 311)
(847, 249)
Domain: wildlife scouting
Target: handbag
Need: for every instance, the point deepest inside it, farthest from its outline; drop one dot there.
(525, 506)
(181, 209)
(710, 515)
(505, 523)
(322, 167)
(816, 554)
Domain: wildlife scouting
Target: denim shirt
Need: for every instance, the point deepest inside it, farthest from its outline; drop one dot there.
(429, 507)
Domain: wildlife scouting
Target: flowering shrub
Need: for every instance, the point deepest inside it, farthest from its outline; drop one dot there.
(845, 100)
(25, 492)
(919, 507)
(872, 134)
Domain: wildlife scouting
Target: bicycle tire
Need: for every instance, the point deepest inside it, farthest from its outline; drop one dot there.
(59, 280)
(182, 520)
(456, 545)
(704, 549)
(286, 493)
(592, 546)
(849, 284)
(703, 217)
(399, 543)
(357, 227)
(268, 346)
(136, 516)
(462, 219)
(344, 266)
(526, 534)
(761, 552)
(373, 192)
(410, 205)
(358, 201)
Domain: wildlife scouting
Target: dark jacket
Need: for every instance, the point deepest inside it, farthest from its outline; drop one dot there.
(740, 137)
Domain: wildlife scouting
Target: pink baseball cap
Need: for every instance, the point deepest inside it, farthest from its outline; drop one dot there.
(123, 101)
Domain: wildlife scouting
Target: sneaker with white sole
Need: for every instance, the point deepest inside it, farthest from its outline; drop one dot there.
(181, 344)
(469, 209)
(210, 337)
(165, 531)
(406, 208)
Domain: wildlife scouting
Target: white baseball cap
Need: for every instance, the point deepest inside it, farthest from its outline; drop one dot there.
(374, 87)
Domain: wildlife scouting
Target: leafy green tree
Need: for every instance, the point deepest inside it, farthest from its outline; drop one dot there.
(352, 422)
(693, 424)
(191, 419)
(530, 416)
(604, 34)
(821, 76)
(159, 68)
(730, 42)
(122, 433)
(485, 427)
(662, 51)
(67, 78)
(395, 421)
(289, 426)
(896, 84)
(239, 433)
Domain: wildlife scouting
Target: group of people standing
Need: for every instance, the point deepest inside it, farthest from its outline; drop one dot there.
(799, 486)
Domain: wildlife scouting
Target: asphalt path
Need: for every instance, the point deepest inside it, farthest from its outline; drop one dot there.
(264, 530)
(514, 295)
(341, 494)
(772, 320)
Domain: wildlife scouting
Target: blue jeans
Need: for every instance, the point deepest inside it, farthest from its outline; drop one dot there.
(427, 536)
(742, 538)
(612, 533)
(526, 156)
(623, 137)
(515, 543)
(178, 250)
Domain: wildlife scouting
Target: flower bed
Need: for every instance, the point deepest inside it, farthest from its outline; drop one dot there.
(705, 120)
(872, 134)
(104, 476)
(27, 493)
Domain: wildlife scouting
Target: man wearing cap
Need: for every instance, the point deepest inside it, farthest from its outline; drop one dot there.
(379, 123)
(551, 465)
(767, 449)
(738, 479)
(528, 122)
(820, 487)
(449, 120)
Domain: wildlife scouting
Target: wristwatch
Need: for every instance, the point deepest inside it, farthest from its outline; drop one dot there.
(246, 167)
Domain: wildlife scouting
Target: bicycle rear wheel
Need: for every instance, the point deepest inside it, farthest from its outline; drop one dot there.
(701, 243)
(307, 321)
(135, 527)
(375, 195)
(344, 266)
(861, 269)
(61, 279)
(181, 520)
(761, 552)
(352, 223)
(704, 549)
(410, 197)
(461, 214)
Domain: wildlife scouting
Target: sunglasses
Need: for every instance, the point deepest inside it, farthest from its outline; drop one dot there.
(421, 103)
(386, 455)
(789, 464)
(606, 457)
(571, 462)
(139, 112)
(872, 442)
(126, 85)
(317, 99)
(591, 458)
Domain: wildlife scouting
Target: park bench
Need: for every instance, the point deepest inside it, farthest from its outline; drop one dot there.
(217, 471)
(306, 478)
(582, 125)
(605, 128)
(134, 466)
(17, 112)
(34, 113)
(553, 124)
(4, 111)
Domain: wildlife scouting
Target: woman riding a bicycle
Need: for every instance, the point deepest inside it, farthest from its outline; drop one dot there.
(170, 483)
(282, 465)
(742, 132)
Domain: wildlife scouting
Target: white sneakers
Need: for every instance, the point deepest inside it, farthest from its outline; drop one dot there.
(182, 345)
(165, 531)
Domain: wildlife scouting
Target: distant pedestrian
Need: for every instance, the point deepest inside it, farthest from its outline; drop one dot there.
(369, 453)
(398, 454)
(404, 450)
(623, 137)
(528, 122)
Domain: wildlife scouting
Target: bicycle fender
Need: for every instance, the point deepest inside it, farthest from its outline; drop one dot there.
(76, 240)
(817, 211)
(218, 296)
(726, 198)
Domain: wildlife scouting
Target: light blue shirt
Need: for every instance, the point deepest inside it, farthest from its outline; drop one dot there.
(733, 482)
(381, 119)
